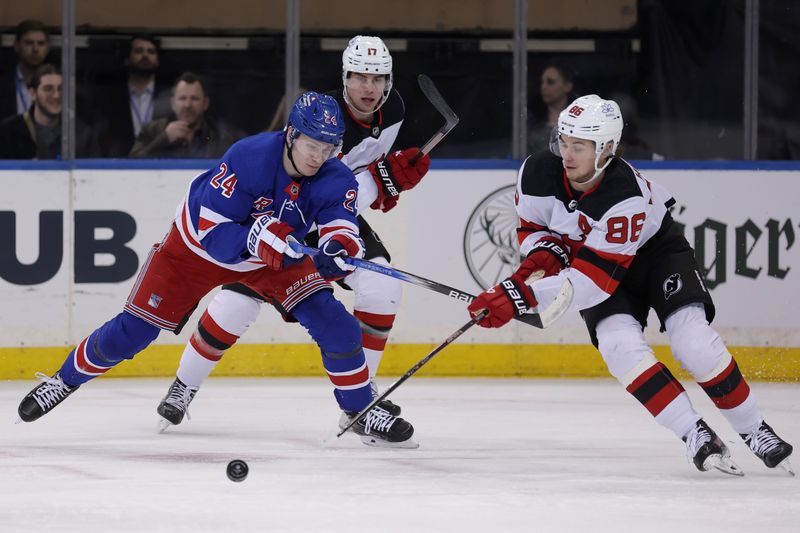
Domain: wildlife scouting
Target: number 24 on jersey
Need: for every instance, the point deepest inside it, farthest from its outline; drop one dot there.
(228, 184)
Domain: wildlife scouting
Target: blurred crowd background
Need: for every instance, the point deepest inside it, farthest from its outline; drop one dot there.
(699, 79)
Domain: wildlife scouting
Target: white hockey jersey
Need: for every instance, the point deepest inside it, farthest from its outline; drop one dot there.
(602, 227)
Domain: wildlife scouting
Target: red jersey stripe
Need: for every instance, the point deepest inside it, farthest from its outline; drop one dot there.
(597, 275)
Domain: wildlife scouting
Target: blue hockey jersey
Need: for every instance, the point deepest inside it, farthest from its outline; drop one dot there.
(249, 182)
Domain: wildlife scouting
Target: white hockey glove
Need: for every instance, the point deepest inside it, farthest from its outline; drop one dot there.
(267, 241)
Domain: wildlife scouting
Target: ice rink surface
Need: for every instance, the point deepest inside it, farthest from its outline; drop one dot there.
(495, 455)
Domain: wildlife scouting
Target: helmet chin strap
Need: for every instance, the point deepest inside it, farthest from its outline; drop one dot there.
(289, 148)
(597, 170)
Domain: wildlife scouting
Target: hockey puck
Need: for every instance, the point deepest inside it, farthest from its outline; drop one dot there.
(237, 470)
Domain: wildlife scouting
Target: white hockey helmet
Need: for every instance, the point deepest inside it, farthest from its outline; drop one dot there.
(367, 55)
(593, 119)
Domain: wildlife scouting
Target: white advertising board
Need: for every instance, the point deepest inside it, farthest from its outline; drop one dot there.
(72, 242)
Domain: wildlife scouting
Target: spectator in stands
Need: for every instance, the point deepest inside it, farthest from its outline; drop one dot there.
(127, 106)
(188, 131)
(31, 45)
(556, 91)
(36, 133)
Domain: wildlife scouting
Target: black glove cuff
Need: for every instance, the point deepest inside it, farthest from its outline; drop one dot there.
(384, 175)
(517, 292)
(554, 248)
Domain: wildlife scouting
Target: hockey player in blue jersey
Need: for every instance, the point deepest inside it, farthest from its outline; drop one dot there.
(234, 225)
(373, 113)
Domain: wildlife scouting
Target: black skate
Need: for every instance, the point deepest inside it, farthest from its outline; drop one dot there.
(43, 398)
(706, 450)
(175, 404)
(769, 447)
(388, 405)
(379, 428)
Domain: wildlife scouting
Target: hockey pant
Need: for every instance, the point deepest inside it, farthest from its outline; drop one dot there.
(230, 314)
(324, 317)
(699, 349)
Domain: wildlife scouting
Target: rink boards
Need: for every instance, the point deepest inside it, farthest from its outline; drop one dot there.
(72, 239)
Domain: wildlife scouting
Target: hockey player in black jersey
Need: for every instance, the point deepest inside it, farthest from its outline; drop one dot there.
(373, 114)
(587, 215)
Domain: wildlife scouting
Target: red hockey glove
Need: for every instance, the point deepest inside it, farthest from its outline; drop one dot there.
(396, 174)
(548, 254)
(329, 261)
(512, 297)
(267, 240)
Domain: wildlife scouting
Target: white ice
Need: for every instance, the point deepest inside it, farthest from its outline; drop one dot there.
(496, 455)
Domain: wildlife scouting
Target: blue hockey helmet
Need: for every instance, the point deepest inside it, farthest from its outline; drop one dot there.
(317, 116)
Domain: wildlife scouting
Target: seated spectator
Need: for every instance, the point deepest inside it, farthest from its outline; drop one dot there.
(126, 106)
(556, 92)
(188, 132)
(36, 133)
(31, 45)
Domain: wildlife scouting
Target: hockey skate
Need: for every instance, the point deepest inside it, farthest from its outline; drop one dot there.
(706, 450)
(379, 428)
(388, 405)
(44, 397)
(175, 404)
(769, 447)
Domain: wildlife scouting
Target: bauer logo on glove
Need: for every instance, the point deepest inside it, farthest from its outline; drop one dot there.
(331, 262)
(397, 172)
(512, 297)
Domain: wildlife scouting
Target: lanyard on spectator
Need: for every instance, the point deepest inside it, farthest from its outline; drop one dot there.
(23, 99)
(138, 119)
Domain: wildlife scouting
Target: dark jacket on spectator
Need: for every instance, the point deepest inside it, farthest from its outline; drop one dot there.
(18, 139)
(210, 141)
(115, 125)
(8, 93)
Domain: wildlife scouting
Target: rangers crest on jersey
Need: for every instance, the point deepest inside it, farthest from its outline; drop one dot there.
(293, 190)
(154, 301)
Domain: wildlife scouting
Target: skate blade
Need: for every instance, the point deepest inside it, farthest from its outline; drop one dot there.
(724, 464)
(369, 440)
(163, 425)
(787, 466)
(18, 420)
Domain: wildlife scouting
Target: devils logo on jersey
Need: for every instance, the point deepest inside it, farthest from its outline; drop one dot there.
(672, 285)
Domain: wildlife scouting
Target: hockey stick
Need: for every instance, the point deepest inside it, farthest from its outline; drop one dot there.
(540, 320)
(450, 118)
(413, 370)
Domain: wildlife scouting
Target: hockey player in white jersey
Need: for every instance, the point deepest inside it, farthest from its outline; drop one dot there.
(373, 114)
(589, 216)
